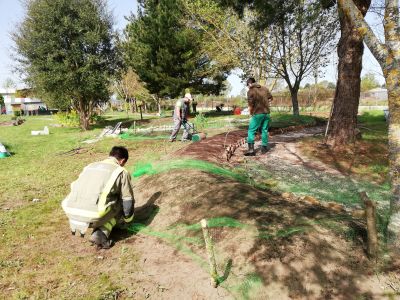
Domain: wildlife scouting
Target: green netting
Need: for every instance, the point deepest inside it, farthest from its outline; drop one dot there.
(217, 222)
(244, 286)
(152, 169)
(135, 137)
(178, 241)
(250, 285)
(177, 236)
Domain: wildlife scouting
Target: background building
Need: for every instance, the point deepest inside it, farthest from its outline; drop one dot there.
(18, 100)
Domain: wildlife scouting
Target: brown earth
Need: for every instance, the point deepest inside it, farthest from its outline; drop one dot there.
(213, 149)
(286, 250)
(7, 123)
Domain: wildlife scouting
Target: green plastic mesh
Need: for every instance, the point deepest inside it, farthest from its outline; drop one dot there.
(178, 236)
(152, 169)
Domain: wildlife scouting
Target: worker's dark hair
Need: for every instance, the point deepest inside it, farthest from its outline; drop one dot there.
(251, 80)
(119, 152)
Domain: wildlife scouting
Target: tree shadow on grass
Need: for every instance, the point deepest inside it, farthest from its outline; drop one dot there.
(144, 215)
(126, 123)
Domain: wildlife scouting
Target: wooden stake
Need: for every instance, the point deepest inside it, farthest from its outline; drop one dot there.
(210, 253)
(370, 214)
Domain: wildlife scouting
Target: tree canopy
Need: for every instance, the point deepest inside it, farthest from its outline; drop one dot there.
(67, 54)
(369, 82)
(165, 51)
(290, 39)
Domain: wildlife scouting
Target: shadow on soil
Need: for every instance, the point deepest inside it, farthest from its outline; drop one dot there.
(144, 215)
(313, 252)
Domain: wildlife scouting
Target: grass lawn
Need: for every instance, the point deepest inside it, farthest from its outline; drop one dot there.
(31, 232)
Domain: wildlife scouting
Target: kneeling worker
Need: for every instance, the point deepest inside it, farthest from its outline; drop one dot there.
(101, 198)
(258, 98)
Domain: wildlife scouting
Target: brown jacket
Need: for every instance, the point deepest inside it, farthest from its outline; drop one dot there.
(258, 98)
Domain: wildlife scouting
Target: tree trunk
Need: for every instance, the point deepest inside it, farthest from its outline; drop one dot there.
(141, 114)
(295, 102)
(388, 56)
(158, 103)
(393, 86)
(343, 120)
(84, 120)
(84, 110)
(132, 104)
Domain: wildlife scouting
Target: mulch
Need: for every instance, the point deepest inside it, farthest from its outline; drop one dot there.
(213, 149)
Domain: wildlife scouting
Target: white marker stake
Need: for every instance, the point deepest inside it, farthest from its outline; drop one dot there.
(210, 253)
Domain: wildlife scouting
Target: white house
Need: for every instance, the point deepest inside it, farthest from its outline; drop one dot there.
(27, 104)
(375, 94)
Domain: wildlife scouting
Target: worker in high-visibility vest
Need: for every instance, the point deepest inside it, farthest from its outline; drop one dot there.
(101, 198)
(180, 116)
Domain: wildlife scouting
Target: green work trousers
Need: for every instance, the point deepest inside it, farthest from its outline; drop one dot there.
(258, 121)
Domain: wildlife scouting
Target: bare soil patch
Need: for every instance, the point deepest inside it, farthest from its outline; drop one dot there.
(7, 123)
(213, 149)
(280, 248)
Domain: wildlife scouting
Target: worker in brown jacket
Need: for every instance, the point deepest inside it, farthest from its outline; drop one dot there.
(258, 98)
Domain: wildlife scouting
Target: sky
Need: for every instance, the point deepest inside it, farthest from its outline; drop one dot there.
(13, 13)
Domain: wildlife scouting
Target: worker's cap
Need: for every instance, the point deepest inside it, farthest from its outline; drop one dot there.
(188, 96)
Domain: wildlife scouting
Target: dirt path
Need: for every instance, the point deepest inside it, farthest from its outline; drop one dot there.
(213, 149)
(289, 168)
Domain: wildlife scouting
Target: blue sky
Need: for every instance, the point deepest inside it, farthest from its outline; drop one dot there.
(13, 13)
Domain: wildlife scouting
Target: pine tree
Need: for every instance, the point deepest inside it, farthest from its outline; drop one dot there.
(166, 52)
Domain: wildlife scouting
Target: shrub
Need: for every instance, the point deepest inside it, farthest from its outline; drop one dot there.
(95, 118)
(69, 119)
(200, 121)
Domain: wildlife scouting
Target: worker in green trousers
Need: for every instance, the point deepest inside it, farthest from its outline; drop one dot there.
(258, 98)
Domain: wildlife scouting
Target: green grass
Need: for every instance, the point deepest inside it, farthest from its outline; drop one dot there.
(280, 120)
(373, 126)
(38, 170)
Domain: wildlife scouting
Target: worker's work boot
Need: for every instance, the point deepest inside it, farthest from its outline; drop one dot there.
(100, 239)
(264, 149)
(251, 151)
